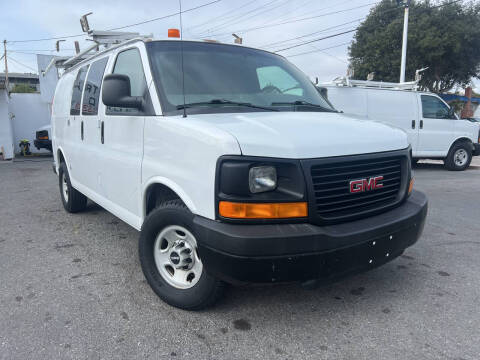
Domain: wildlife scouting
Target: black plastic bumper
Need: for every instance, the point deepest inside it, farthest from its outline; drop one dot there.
(43, 144)
(476, 149)
(300, 252)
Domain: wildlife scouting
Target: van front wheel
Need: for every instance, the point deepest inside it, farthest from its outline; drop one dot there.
(73, 200)
(170, 261)
(459, 157)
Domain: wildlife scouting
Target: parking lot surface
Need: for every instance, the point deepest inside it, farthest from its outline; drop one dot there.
(71, 287)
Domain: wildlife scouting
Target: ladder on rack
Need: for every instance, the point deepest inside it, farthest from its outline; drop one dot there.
(99, 38)
(345, 81)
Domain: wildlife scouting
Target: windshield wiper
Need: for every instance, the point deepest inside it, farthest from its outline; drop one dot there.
(223, 102)
(304, 103)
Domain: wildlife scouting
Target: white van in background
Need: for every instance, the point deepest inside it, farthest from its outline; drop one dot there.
(433, 129)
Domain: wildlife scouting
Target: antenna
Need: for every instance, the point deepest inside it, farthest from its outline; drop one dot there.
(183, 70)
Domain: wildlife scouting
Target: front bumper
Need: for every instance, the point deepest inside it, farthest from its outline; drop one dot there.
(301, 252)
(43, 144)
(476, 149)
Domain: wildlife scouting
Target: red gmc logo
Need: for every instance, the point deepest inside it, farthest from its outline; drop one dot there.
(362, 185)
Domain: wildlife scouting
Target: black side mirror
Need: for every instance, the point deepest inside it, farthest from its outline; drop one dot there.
(116, 92)
(451, 113)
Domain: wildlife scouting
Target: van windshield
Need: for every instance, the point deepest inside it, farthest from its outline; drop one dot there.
(229, 78)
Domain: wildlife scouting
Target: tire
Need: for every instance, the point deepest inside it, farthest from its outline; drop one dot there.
(414, 161)
(459, 157)
(173, 219)
(73, 200)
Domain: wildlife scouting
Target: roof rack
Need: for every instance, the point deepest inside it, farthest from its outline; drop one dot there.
(99, 38)
(346, 81)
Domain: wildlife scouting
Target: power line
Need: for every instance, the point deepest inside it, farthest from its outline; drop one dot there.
(221, 15)
(237, 21)
(283, 18)
(35, 53)
(166, 16)
(337, 3)
(318, 50)
(20, 50)
(289, 17)
(310, 34)
(19, 63)
(297, 20)
(345, 32)
(224, 23)
(117, 28)
(315, 40)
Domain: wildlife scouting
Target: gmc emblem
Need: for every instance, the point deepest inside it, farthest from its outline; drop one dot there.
(362, 185)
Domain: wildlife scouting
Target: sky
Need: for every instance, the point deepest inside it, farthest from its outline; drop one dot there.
(267, 24)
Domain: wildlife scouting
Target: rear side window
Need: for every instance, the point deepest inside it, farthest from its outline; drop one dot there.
(77, 91)
(91, 93)
(434, 108)
(129, 62)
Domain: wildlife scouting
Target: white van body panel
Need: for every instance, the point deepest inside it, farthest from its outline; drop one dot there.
(182, 153)
(403, 109)
(304, 135)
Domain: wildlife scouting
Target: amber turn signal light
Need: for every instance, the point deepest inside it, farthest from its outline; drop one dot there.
(410, 186)
(233, 210)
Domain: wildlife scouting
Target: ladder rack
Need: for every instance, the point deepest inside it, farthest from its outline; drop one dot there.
(99, 38)
(345, 81)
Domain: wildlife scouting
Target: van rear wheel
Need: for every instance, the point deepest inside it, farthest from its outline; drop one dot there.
(459, 157)
(73, 200)
(170, 260)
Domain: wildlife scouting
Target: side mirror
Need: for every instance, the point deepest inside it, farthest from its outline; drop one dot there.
(116, 92)
(451, 113)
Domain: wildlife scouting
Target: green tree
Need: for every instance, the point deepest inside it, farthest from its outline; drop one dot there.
(23, 88)
(441, 36)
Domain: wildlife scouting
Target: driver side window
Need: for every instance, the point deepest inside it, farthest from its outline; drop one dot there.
(434, 108)
(129, 62)
(273, 77)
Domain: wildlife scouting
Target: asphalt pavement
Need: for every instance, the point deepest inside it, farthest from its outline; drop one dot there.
(71, 287)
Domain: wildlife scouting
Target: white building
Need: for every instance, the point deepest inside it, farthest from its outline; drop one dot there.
(21, 114)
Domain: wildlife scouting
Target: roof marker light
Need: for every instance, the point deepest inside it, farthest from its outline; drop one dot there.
(173, 33)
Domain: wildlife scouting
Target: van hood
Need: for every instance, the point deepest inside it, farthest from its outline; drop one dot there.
(302, 135)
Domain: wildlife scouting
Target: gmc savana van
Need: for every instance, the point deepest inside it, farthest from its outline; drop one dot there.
(232, 166)
(434, 131)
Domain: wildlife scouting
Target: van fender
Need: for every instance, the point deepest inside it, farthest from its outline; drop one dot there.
(172, 186)
(462, 138)
(57, 160)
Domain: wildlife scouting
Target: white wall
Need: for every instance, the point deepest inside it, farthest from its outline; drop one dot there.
(6, 132)
(30, 113)
(49, 81)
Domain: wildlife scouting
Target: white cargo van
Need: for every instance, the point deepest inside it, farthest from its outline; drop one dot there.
(234, 170)
(433, 129)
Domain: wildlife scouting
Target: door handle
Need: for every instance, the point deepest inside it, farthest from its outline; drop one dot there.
(413, 124)
(81, 130)
(102, 133)
(421, 124)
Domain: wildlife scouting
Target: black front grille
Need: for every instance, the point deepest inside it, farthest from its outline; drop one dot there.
(331, 186)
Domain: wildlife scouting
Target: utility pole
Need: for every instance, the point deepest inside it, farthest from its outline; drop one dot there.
(405, 4)
(6, 67)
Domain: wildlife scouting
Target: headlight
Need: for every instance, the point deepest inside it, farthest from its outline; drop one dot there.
(262, 178)
(254, 188)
